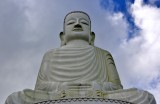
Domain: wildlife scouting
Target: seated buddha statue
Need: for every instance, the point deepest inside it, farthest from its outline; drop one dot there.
(78, 69)
(77, 64)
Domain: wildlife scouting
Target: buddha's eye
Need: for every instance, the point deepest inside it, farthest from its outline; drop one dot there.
(84, 23)
(70, 22)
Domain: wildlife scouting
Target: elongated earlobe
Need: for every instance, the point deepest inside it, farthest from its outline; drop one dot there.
(61, 35)
(92, 38)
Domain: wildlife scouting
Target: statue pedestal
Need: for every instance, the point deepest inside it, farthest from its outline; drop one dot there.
(84, 101)
(122, 96)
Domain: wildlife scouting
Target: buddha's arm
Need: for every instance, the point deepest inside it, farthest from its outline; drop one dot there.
(42, 79)
(113, 76)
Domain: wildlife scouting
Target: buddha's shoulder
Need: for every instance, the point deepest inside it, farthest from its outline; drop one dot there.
(102, 50)
(51, 52)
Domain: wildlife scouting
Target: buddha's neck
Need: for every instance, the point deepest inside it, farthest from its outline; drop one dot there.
(77, 42)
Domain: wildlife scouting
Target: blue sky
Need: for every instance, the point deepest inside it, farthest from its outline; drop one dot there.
(155, 3)
(115, 6)
(129, 29)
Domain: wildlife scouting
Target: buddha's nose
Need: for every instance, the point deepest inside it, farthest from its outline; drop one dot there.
(77, 26)
(77, 21)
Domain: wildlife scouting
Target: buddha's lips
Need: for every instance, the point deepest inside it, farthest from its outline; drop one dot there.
(77, 29)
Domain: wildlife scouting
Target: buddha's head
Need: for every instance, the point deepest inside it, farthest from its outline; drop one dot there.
(77, 26)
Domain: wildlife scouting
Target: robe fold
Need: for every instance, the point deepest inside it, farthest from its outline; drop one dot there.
(77, 67)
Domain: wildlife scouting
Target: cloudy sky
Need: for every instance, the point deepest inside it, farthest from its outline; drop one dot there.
(129, 29)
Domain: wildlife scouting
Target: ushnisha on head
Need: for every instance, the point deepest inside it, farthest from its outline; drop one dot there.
(77, 26)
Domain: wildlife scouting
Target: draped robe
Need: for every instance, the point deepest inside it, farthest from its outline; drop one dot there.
(77, 67)
(81, 68)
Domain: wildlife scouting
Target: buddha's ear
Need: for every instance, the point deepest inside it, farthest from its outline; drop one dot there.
(61, 35)
(92, 38)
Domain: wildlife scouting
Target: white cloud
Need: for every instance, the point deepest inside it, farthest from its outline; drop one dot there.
(141, 53)
(112, 31)
(148, 19)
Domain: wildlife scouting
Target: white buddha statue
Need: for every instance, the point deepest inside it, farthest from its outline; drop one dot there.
(78, 69)
(77, 64)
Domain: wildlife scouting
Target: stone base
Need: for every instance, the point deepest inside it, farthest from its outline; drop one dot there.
(122, 96)
(84, 101)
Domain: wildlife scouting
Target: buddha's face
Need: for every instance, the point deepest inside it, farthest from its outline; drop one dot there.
(77, 26)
